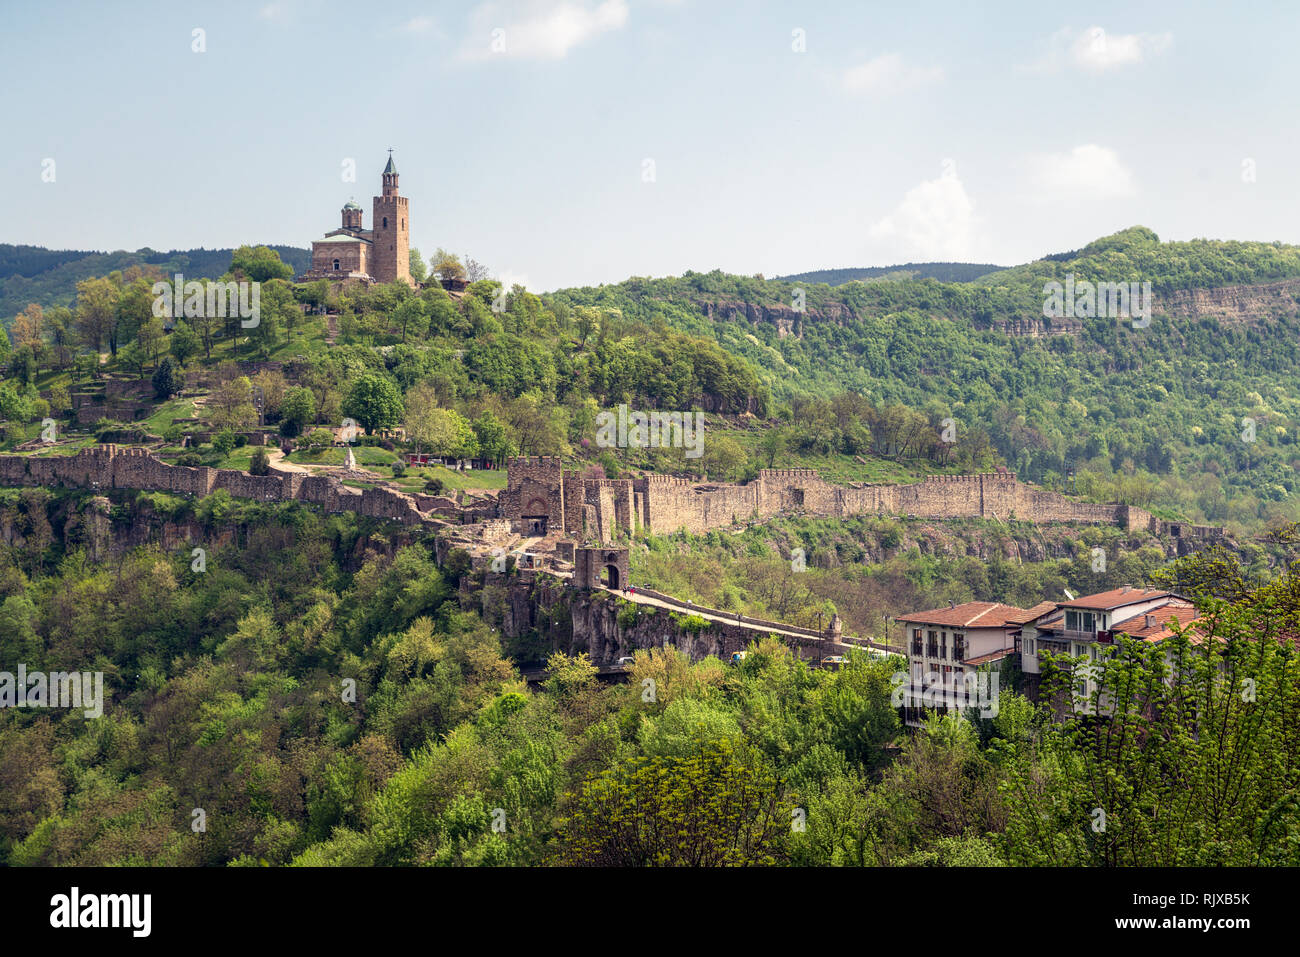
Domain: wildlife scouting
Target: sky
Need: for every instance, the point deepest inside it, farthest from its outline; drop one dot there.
(579, 142)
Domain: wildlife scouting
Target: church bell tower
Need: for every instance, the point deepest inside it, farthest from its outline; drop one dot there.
(391, 249)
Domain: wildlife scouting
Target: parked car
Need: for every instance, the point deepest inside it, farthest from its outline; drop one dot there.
(626, 661)
(832, 661)
(738, 657)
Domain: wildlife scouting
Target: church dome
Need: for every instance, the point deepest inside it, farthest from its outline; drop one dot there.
(351, 205)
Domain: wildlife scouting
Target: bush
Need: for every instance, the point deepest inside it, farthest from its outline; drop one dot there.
(435, 485)
(241, 441)
(223, 442)
(320, 439)
(260, 463)
(399, 469)
(189, 458)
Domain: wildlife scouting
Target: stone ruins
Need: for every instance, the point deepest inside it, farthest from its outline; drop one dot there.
(542, 499)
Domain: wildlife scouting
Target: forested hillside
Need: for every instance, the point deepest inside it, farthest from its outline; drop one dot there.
(1195, 416)
(49, 277)
(319, 695)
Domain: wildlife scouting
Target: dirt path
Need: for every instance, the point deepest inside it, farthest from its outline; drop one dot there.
(278, 461)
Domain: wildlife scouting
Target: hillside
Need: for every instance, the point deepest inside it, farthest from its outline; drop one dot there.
(224, 618)
(1194, 413)
(1193, 417)
(49, 277)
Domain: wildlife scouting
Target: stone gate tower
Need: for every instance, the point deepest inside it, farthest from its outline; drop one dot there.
(390, 252)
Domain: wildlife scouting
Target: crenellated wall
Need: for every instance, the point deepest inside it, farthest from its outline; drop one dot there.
(587, 506)
(594, 506)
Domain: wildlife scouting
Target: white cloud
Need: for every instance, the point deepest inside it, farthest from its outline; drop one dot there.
(935, 221)
(1085, 172)
(1095, 51)
(888, 74)
(539, 29)
(273, 11)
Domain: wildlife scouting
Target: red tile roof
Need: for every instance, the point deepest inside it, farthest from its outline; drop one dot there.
(991, 656)
(971, 614)
(1115, 598)
(1159, 630)
(1031, 614)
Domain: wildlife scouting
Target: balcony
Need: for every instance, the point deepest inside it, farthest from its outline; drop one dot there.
(1066, 634)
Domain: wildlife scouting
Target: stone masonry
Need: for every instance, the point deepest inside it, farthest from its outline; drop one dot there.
(108, 467)
(542, 497)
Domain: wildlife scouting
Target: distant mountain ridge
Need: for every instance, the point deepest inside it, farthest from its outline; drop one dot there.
(50, 276)
(943, 272)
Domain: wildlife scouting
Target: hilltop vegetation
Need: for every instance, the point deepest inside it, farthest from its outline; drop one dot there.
(49, 277)
(885, 380)
(1153, 416)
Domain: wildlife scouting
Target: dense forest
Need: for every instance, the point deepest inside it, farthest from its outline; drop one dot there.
(48, 277)
(1192, 418)
(318, 694)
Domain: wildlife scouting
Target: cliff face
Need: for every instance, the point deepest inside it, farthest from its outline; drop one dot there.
(1038, 328)
(106, 531)
(1231, 304)
(787, 320)
(600, 624)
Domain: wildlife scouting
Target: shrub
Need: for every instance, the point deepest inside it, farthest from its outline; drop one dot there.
(260, 463)
(320, 439)
(399, 469)
(223, 442)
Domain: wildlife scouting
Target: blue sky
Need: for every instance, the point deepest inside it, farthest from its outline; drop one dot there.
(567, 142)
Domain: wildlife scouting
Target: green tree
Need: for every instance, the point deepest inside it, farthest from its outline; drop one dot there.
(297, 409)
(715, 808)
(494, 442)
(374, 402)
(419, 271)
(166, 383)
(185, 342)
(259, 264)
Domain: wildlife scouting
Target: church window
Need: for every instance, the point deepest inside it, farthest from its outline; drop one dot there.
(385, 222)
(336, 265)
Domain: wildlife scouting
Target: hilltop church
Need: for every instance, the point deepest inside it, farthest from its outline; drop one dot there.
(379, 254)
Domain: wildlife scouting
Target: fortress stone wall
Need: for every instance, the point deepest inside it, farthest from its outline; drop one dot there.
(108, 467)
(541, 497)
(592, 507)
